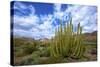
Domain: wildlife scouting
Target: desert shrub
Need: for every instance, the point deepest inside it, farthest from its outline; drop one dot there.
(45, 52)
(26, 60)
(30, 59)
(42, 51)
(36, 53)
(19, 53)
(28, 47)
(17, 42)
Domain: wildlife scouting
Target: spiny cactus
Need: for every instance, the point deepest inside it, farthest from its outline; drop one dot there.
(78, 49)
(66, 43)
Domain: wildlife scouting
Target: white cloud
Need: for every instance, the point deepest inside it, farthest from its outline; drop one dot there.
(19, 5)
(22, 7)
(27, 20)
(46, 27)
(30, 19)
(57, 7)
(57, 11)
(91, 23)
(22, 33)
(43, 30)
(85, 15)
(32, 9)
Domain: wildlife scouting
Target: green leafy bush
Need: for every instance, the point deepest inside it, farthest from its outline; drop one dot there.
(28, 47)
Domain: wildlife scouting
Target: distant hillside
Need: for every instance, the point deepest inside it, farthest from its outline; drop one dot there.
(87, 37)
(91, 36)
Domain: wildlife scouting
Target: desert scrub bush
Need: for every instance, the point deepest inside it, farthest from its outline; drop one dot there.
(30, 59)
(42, 51)
(45, 52)
(28, 47)
(66, 43)
(26, 60)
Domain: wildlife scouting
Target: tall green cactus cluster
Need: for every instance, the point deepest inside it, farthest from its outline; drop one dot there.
(67, 43)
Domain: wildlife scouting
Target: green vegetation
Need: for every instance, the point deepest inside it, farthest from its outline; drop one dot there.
(67, 43)
(65, 46)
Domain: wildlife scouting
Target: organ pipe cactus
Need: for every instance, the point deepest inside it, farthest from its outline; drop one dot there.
(66, 43)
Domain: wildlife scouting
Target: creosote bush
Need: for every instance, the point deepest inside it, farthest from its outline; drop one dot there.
(67, 43)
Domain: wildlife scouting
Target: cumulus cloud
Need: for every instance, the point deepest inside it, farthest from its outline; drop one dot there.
(27, 20)
(57, 11)
(85, 15)
(37, 30)
(19, 5)
(57, 7)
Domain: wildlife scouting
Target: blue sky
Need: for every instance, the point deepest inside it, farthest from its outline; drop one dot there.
(39, 20)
